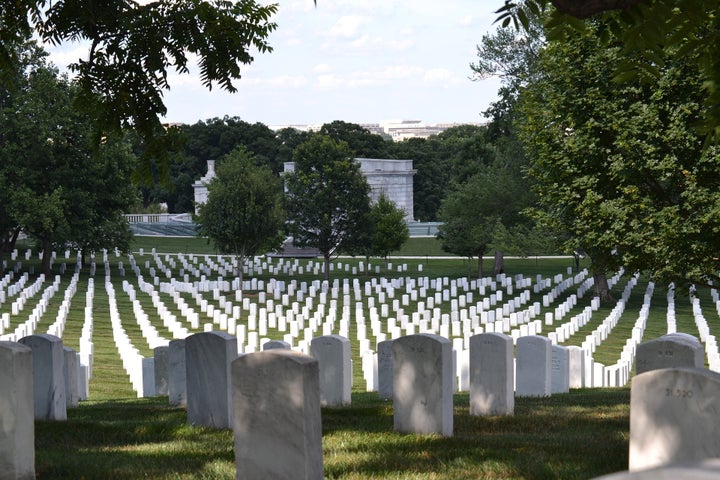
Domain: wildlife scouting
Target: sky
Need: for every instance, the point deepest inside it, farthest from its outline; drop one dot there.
(359, 61)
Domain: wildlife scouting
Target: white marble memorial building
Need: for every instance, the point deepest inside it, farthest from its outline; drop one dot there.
(394, 178)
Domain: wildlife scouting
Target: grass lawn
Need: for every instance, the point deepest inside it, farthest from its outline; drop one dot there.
(114, 435)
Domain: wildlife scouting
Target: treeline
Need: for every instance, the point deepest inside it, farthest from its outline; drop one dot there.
(441, 160)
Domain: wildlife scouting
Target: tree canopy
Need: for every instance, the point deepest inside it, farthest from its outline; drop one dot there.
(132, 47)
(648, 32)
(58, 186)
(621, 166)
(327, 199)
(389, 228)
(243, 214)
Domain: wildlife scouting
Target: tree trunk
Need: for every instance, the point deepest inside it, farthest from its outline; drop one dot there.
(499, 264)
(602, 289)
(47, 253)
(327, 266)
(479, 267)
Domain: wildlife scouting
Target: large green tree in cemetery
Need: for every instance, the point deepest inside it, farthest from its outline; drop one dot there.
(477, 212)
(61, 188)
(622, 166)
(133, 46)
(243, 214)
(327, 199)
(483, 209)
(389, 227)
(648, 31)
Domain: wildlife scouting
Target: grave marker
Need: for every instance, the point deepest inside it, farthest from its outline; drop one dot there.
(385, 369)
(177, 384)
(534, 365)
(674, 417)
(48, 376)
(333, 355)
(71, 374)
(276, 416)
(491, 374)
(423, 384)
(17, 428)
(207, 364)
(161, 366)
(671, 350)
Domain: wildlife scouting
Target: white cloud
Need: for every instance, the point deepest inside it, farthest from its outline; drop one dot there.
(348, 26)
(322, 68)
(438, 75)
(402, 44)
(466, 21)
(404, 74)
(286, 81)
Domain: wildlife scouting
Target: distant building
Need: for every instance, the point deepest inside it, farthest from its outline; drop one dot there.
(200, 187)
(398, 130)
(394, 178)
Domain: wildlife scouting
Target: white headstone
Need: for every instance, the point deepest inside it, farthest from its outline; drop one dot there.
(534, 363)
(161, 355)
(492, 376)
(671, 350)
(17, 416)
(575, 379)
(385, 369)
(207, 364)
(177, 385)
(674, 417)
(71, 372)
(333, 355)
(276, 344)
(423, 384)
(276, 416)
(48, 376)
(560, 375)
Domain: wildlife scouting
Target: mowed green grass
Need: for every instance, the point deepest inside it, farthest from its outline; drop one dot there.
(114, 435)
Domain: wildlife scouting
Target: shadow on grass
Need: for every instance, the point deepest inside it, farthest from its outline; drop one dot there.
(579, 435)
(575, 436)
(136, 438)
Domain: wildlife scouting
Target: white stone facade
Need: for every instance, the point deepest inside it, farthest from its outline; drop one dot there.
(200, 186)
(394, 178)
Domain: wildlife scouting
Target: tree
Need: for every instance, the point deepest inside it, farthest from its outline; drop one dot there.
(620, 166)
(133, 47)
(327, 199)
(390, 230)
(63, 186)
(101, 199)
(362, 142)
(243, 214)
(649, 32)
(473, 211)
(432, 177)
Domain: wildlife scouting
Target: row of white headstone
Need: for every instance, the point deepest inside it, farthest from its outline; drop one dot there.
(672, 413)
(450, 325)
